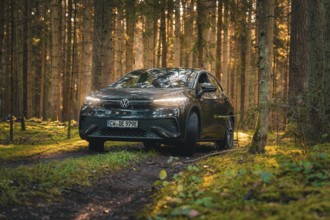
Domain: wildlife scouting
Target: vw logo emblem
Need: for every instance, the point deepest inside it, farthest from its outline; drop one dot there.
(124, 103)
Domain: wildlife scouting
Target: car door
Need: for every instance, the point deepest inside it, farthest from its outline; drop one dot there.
(220, 109)
(210, 107)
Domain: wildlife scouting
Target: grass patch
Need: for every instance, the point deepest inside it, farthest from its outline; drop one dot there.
(281, 184)
(47, 180)
(42, 138)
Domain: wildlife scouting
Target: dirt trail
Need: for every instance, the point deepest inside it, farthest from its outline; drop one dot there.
(116, 196)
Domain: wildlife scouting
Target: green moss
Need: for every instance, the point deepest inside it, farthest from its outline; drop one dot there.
(281, 184)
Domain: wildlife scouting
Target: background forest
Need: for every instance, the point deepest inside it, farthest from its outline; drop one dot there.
(54, 52)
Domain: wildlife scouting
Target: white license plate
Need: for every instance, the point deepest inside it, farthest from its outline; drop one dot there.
(122, 124)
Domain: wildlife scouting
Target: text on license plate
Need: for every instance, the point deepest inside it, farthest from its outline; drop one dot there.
(122, 124)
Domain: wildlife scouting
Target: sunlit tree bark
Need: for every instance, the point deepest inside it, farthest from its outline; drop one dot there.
(265, 32)
(102, 47)
(177, 39)
(218, 58)
(163, 34)
(85, 75)
(130, 23)
(56, 61)
(225, 51)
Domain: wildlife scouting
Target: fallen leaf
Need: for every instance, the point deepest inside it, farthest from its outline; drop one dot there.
(163, 174)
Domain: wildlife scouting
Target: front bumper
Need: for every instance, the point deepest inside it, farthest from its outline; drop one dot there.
(151, 126)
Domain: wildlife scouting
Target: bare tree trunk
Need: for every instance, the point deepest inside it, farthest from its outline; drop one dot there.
(102, 51)
(200, 29)
(119, 44)
(56, 61)
(218, 60)
(12, 70)
(138, 50)
(315, 69)
(265, 32)
(74, 44)
(2, 65)
(149, 36)
(130, 23)
(163, 34)
(326, 85)
(67, 74)
(225, 69)
(85, 77)
(25, 60)
(177, 39)
(298, 54)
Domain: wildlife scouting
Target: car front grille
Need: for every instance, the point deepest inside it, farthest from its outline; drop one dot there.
(143, 131)
(134, 104)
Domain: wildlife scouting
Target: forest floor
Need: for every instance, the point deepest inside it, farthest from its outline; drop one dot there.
(118, 193)
(43, 175)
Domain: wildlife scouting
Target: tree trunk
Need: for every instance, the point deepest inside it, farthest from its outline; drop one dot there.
(74, 44)
(163, 34)
(66, 78)
(25, 59)
(130, 23)
(200, 29)
(326, 55)
(225, 59)
(298, 56)
(218, 71)
(85, 77)
(138, 50)
(12, 70)
(149, 36)
(56, 61)
(102, 51)
(265, 33)
(119, 44)
(177, 39)
(315, 69)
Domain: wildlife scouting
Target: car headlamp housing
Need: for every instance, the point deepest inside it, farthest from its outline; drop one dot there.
(170, 101)
(92, 101)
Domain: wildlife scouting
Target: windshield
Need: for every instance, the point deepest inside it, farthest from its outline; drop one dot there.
(157, 78)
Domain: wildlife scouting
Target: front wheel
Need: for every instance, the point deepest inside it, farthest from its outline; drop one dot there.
(192, 135)
(228, 141)
(96, 145)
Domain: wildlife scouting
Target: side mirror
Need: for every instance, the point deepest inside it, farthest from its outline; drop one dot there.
(206, 87)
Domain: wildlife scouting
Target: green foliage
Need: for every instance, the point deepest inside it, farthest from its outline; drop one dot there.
(284, 183)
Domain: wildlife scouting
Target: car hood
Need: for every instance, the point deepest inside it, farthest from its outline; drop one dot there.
(139, 93)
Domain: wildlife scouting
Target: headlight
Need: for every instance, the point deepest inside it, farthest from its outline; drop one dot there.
(170, 101)
(173, 100)
(92, 101)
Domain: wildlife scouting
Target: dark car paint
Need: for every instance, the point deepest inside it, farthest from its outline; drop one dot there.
(211, 127)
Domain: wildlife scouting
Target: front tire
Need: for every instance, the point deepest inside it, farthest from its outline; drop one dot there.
(228, 141)
(96, 145)
(192, 135)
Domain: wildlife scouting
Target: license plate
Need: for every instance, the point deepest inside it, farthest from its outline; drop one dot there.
(122, 124)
